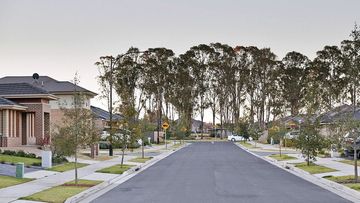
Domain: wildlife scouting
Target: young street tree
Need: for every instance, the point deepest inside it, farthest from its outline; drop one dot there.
(77, 129)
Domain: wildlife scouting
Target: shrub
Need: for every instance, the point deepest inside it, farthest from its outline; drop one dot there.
(59, 159)
(8, 152)
(36, 164)
(289, 142)
(32, 155)
(21, 154)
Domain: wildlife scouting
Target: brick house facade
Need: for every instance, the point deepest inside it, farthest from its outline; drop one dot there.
(24, 115)
(62, 90)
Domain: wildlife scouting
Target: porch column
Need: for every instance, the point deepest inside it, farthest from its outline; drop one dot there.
(5, 123)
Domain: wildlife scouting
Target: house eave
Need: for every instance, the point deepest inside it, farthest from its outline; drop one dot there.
(27, 96)
(13, 107)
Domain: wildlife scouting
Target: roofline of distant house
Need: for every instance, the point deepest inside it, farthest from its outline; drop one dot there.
(19, 96)
(88, 92)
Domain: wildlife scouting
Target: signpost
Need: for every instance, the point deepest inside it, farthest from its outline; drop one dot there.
(165, 126)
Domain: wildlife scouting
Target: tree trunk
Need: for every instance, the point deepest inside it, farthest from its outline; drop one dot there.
(355, 164)
(122, 155)
(142, 149)
(308, 158)
(76, 169)
(280, 147)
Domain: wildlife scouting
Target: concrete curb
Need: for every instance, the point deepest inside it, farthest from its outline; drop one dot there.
(338, 189)
(105, 186)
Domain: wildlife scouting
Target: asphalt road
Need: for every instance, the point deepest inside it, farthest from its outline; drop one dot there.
(219, 172)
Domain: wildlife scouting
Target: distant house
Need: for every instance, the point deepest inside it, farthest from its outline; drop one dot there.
(336, 115)
(62, 90)
(102, 117)
(24, 115)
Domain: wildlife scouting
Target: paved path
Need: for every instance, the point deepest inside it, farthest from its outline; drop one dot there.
(14, 192)
(219, 172)
(10, 170)
(334, 163)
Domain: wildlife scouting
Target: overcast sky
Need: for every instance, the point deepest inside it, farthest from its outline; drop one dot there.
(58, 38)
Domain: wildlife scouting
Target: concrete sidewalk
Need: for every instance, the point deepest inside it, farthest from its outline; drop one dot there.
(15, 192)
(334, 163)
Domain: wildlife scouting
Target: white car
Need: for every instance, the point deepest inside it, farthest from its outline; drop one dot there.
(236, 138)
(292, 134)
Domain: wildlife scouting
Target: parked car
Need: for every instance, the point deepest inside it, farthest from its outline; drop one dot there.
(292, 134)
(348, 146)
(236, 138)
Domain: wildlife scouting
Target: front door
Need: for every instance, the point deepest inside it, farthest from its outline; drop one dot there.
(24, 130)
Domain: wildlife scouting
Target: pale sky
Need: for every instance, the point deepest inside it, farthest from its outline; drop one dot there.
(58, 38)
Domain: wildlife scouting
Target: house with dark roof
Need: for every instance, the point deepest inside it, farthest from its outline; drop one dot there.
(62, 90)
(24, 115)
(102, 117)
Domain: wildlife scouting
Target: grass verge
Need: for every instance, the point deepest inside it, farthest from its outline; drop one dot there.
(115, 169)
(140, 160)
(283, 157)
(246, 144)
(345, 180)
(59, 194)
(313, 168)
(100, 157)
(350, 162)
(66, 167)
(17, 159)
(7, 181)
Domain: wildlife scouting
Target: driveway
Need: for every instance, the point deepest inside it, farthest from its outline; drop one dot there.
(216, 172)
(10, 170)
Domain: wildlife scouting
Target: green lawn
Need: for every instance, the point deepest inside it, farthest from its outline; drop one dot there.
(345, 180)
(17, 159)
(341, 179)
(66, 167)
(177, 145)
(350, 162)
(7, 181)
(354, 186)
(60, 193)
(140, 160)
(313, 168)
(116, 169)
(283, 157)
(246, 144)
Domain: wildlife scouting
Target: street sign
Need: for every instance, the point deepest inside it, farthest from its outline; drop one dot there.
(165, 125)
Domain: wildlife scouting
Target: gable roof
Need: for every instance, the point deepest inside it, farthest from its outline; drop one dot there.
(340, 113)
(16, 90)
(4, 101)
(47, 83)
(101, 113)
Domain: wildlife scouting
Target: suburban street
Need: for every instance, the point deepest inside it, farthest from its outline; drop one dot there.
(216, 172)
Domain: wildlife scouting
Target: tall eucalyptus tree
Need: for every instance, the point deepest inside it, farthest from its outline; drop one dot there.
(293, 80)
(156, 65)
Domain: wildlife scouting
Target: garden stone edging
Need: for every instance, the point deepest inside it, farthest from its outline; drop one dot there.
(339, 189)
(122, 177)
